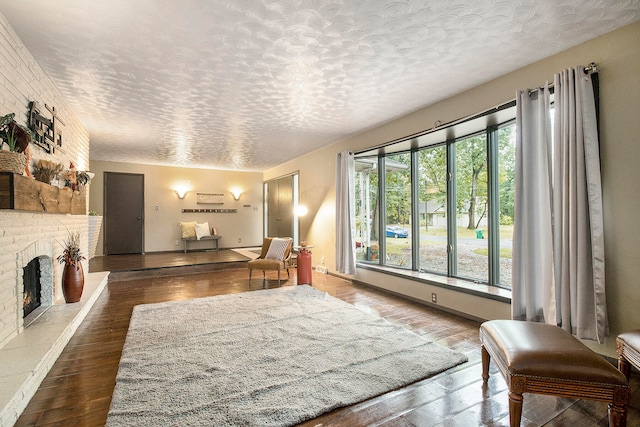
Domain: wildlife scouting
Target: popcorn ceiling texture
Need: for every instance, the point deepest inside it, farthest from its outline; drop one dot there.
(246, 85)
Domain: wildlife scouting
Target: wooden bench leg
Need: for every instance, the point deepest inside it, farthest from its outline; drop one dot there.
(486, 359)
(515, 409)
(617, 415)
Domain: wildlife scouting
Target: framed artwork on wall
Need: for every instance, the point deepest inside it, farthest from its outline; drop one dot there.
(209, 198)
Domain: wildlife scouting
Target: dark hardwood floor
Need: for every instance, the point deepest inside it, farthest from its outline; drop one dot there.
(77, 391)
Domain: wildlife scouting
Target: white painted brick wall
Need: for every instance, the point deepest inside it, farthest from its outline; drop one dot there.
(21, 81)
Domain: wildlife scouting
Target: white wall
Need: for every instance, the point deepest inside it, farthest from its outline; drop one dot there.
(241, 229)
(618, 57)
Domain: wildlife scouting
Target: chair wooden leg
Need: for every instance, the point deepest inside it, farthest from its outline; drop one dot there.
(278, 277)
(515, 409)
(486, 359)
(250, 271)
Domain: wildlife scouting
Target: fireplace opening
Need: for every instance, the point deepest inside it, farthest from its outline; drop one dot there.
(31, 296)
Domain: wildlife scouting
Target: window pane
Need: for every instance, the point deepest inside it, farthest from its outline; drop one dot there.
(398, 210)
(506, 171)
(367, 213)
(471, 208)
(432, 172)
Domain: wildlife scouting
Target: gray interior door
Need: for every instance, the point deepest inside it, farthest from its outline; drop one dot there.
(123, 213)
(280, 207)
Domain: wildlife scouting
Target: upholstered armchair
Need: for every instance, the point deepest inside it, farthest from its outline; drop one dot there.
(275, 256)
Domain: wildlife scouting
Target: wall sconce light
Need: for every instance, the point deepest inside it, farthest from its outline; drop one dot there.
(300, 210)
(236, 194)
(181, 188)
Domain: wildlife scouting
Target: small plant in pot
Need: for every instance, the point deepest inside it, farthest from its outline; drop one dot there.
(72, 275)
(46, 170)
(16, 139)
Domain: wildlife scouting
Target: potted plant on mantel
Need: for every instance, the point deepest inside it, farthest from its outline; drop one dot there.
(16, 138)
(72, 275)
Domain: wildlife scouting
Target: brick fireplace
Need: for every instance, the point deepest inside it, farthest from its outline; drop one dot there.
(30, 346)
(24, 237)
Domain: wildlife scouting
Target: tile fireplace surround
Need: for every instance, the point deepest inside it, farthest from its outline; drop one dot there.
(28, 348)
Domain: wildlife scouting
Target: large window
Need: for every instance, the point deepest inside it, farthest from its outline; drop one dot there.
(367, 209)
(471, 203)
(432, 190)
(397, 225)
(506, 186)
(441, 206)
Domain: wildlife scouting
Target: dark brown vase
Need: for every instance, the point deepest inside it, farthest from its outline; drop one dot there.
(72, 282)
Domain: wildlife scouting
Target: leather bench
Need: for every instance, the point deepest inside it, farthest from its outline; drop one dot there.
(544, 359)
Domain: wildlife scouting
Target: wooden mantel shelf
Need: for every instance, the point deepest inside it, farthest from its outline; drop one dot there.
(21, 193)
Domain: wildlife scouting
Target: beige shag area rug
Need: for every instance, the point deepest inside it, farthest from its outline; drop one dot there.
(263, 358)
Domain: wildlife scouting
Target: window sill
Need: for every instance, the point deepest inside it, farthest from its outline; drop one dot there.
(458, 285)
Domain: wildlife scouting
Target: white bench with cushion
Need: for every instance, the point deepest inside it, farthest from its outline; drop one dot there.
(194, 232)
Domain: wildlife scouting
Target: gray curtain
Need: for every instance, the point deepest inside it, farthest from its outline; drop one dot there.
(558, 254)
(345, 214)
(578, 236)
(533, 293)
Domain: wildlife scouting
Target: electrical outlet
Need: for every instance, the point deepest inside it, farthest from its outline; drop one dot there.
(434, 298)
(157, 207)
(322, 262)
(239, 239)
(177, 242)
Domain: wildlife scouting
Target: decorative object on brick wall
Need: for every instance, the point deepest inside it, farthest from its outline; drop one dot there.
(72, 275)
(209, 210)
(16, 139)
(211, 198)
(46, 132)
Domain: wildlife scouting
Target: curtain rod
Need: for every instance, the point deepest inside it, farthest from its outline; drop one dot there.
(438, 125)
(589, 69)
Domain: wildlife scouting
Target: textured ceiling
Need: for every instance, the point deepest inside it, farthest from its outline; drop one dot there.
(248, 84)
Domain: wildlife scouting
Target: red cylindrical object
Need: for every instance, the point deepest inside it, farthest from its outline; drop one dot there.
(304, 267)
